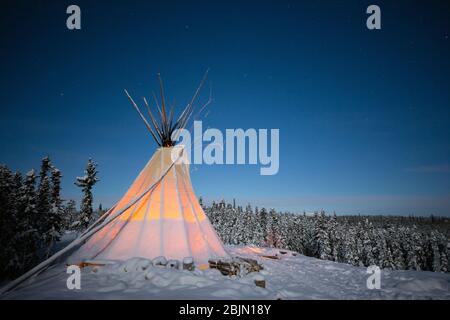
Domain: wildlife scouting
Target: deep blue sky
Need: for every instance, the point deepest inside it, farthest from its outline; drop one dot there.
(363, 115)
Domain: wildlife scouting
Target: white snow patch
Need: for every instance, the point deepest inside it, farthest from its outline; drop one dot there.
(290, 277)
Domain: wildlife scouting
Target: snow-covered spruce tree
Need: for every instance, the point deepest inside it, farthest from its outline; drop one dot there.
(444, 250)
(258, 228)
(413, 248)
(290, 241)
(385, 260)
(16, 202)
(255, 230)
(70, 214)
(322, 237)
(219, 213)
(436, 265)
(14, 262)
(28, 238)
(13, 228)
(333, 234)
(284, 220)
(48, 205)
(360, 251)
(341, 233)
(17, 195)
(312, 245)
(86, 183)
(230, 223)
(273, 233)
(7, 219)
(247, 216)
(44, 204)
(369, 257)
(209, 211)
(221, 221)
(350, 247)
(263, 221)
(296, 229)
(396, 238)
(428, 253)
(30, 197)
(240, 229)
(421, 250)
(56, 189)
(55, 219)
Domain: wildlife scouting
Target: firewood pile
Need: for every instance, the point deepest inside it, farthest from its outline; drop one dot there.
(235, 266)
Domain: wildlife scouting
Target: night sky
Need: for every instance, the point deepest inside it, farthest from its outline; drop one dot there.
(364, 116)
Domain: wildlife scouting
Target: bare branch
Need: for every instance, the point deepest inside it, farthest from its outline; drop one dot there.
(163, 102)
(170, 120)
(210, 99)
(157, 104)
(155, 123)
(142, 116)
(190, 105)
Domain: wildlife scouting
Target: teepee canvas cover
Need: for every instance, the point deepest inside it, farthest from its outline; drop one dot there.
(168, 221)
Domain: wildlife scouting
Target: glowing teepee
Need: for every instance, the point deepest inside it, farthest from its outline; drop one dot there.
(167, 221)
(159, 215)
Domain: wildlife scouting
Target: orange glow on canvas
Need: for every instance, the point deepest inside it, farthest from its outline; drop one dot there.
(167, 221)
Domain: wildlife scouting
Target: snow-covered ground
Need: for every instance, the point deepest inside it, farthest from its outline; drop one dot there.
(290, 277)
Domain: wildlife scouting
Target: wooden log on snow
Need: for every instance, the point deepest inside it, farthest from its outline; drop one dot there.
(271, 257)
(188, 264)
(260, 283)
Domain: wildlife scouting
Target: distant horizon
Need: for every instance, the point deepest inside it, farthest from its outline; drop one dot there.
(327, 212)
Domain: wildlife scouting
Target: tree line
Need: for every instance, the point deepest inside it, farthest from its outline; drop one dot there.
(397, 243)
(33, 218)
(33, 215)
